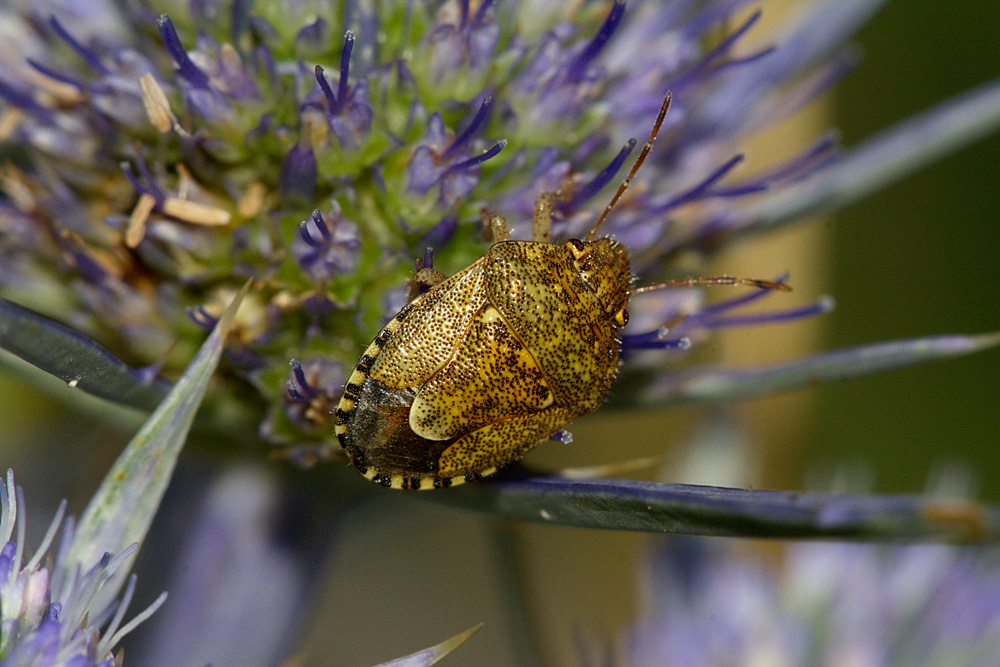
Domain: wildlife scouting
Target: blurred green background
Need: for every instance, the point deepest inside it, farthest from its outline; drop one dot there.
(920, 258)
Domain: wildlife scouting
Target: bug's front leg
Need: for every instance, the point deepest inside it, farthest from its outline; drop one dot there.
(542, 219)
(425, 278)
(495, 226)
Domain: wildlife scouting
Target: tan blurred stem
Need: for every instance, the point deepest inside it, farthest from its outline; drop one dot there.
(778, 426)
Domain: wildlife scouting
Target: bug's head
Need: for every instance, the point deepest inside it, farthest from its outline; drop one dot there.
(603, 265)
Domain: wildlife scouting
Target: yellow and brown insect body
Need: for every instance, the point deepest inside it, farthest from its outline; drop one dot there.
(493, 360)
(487, 364)
(603, 265)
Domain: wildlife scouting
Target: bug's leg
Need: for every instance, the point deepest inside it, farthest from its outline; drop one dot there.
(542, 219)
(495, 226)
(426, 276)
(541, 226)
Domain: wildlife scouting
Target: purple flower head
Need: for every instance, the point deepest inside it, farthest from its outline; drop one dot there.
(349, 111)
(327, 245)
(313, 390)
(297, 178)
(560, 80)
(102, 85)
(438, 160)
(462, 37)
(211, 77)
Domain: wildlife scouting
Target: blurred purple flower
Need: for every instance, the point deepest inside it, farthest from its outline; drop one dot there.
(713, 602)
(327, 245)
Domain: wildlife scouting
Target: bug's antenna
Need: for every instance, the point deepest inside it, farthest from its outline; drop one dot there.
(715, 280)
(635, 167)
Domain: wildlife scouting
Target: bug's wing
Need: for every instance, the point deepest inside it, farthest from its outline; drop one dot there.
(500, 443)
(431, 331)
(492, 377)
(553, 311)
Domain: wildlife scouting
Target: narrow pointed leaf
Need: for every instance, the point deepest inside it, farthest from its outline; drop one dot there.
(713, 384)
(121, 511)
(883, 159)
(431, 655)
(75, 359)
(705, 510)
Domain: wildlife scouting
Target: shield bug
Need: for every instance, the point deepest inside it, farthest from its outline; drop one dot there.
(491, 361)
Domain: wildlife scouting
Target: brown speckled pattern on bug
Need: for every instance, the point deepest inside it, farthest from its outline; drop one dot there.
(492, 377)
(480, 369)
(432, 331)
(501, 443)
(559, 318)
(604, 266)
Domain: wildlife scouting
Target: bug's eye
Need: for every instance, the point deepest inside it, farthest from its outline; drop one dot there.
(576, 246)
(621, 317)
